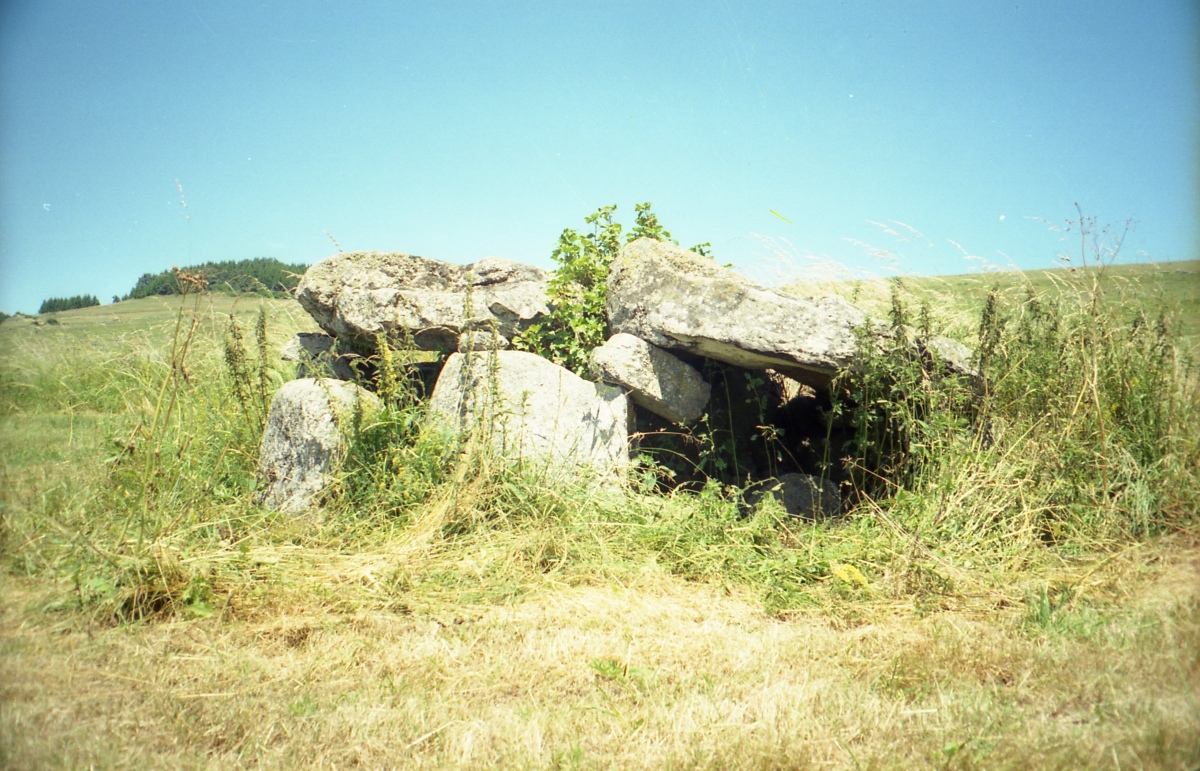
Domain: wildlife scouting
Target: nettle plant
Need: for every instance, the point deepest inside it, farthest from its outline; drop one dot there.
(578, 323)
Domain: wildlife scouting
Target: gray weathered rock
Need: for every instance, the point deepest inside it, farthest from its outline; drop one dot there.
(533, 409)
(676, 299)
(303, 441)
(314, 356)
(481, 340)
(953, 354)
(356, 296)
(805, 495)
(657, 381)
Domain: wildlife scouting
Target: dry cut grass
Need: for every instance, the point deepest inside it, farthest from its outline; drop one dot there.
(655, 672)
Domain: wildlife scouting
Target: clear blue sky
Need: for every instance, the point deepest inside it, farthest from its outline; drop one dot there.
(460, 130)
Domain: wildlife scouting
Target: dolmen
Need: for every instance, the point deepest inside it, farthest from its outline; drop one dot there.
(668, 310)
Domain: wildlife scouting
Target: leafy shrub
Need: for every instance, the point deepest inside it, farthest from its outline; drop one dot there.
(901, 408)
(578, 322)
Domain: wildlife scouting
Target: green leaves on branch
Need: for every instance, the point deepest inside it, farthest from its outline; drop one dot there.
(578, 323)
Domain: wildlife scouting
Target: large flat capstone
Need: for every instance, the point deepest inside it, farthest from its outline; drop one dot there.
(532, 410)
(673, 298)
(356, 296)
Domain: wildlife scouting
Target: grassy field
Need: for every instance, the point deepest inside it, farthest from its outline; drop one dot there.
(1029, 599)
(956, 299)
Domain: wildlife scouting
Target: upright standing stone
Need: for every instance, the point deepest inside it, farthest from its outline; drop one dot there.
(534, 410)
(304, 440)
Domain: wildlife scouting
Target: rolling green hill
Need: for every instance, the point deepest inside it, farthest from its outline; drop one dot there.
(261, 275)
(955, 300)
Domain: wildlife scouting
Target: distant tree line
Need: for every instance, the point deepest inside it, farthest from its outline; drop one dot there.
(56, 304)
(261, 275)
